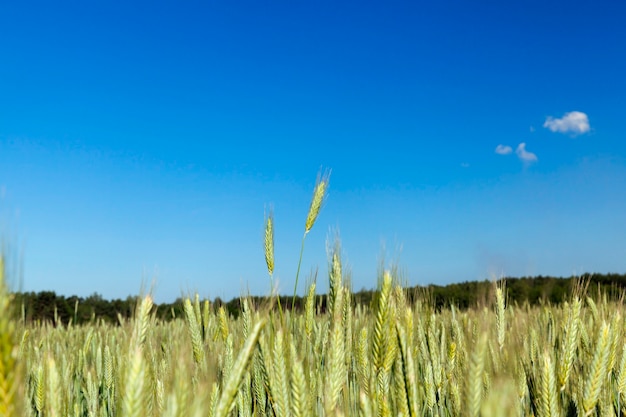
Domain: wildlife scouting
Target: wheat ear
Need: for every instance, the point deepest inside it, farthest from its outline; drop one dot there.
(53, 385)
(597, 371)
(380, 338)
(135, 393)
(334, 277)
(336, 374)
(279, 379)
(500, 317)
(223, 323)
(269, 245)
(319, 194)
(548, 400)
(568, 349)
(309, 312)
(269, 254)
(475, 377)
(142, 319)
(195, 333)
(299, 390)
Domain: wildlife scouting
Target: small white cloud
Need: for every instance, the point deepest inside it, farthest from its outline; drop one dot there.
(574, 122)
(524, 155)
(532, 129)
(503, 150)
(465, 165)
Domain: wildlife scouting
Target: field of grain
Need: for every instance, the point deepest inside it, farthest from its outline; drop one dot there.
(388, 360)
(339, 358)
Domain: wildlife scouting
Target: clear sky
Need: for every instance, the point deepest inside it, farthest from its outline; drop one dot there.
(145, 141)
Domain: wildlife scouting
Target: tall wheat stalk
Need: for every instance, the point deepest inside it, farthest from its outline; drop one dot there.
(319, 194)
(269, 255)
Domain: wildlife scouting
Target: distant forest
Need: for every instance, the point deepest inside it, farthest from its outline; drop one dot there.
(61, 310)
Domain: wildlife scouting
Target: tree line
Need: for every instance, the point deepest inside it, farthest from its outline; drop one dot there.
(59, 309)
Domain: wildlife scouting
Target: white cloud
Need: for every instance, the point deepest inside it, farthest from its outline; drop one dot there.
(465, 165)
(524, 155)
(574, 122)
(503, 150)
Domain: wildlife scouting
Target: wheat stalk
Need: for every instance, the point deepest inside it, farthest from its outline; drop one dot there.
(135, 395)
(334, 276)
(549, 403)
(299, 400)
(336, 362)
(269, 254)
(319, 194)
(475, 377)
(195, 333)
(381, 325)
(500, 316)
(309, 311)
(597, 370)
(568, 348)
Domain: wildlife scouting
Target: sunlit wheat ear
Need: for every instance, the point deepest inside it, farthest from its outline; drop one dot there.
(615, 338)
(39, 393)
(53, 384)
(362, 361)
(279, 378)
(195, 333)
(259, 380)
(548, 397)
(500, 317)
(309, 311)
(269, 254)
(336, 358)
(269, 244)
(381, 328)
(568, 349)
(299, 390)
(319, 192)
(597, 371)
(474, 382)
(142, 319)
(135, 392)
(205, 319)
(594, 309)
(223, 323)
(334, 277)
(347, 322)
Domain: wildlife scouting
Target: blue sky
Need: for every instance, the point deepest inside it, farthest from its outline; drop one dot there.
(145, 141)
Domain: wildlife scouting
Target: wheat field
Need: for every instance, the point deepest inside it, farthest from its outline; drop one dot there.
(389, 359)
(339, 358)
